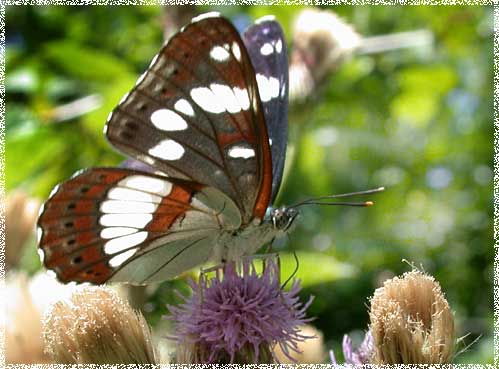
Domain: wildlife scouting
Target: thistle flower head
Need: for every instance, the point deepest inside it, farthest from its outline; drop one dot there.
(238, 316)
(97, 327)
(411, 321)
(359, 356)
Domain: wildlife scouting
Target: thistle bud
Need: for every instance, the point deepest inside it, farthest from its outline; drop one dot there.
(411, 322)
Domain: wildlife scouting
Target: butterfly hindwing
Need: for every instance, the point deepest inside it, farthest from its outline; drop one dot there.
(266, 46)
(104, 218)
(137, 165)
(165, 259)
(195, 114)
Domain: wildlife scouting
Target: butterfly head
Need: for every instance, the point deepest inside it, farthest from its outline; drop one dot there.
(283, 218)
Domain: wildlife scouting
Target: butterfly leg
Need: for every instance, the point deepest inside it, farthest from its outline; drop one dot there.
(269, 246)
(218, 214)
(215, 268)
(264, 258)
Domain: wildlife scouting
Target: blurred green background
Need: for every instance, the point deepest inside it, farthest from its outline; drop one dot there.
(417, 120)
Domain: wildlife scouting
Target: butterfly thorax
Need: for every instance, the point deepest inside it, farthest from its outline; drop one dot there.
(231, 245)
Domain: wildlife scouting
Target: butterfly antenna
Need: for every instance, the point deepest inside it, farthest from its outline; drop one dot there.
(294, 271)
(341, 203)
(319, 200)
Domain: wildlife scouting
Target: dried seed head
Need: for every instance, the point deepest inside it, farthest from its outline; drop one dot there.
(322, 42)
(411, 322)
(310, 351)
(97, 327)
(20, 216)
(23, 344)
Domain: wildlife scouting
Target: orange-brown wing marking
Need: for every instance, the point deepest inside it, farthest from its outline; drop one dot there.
(71, 225)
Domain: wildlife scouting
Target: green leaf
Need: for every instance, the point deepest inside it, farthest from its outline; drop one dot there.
(85, 63)
(315, 268)
(111, 95)
(20, 119)
(435, 80)
(421, 91)
(29, 154)
(414, 108)
(311, 162)
(23, 80)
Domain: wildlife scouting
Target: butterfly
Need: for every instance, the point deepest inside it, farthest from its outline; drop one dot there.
(208, 121)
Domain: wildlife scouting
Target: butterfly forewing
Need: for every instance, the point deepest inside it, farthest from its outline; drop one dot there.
(267, 49)
(195, 114)
(104, 218)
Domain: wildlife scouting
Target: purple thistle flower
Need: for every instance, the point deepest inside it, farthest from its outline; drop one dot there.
(238, 316)
(362, 355)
